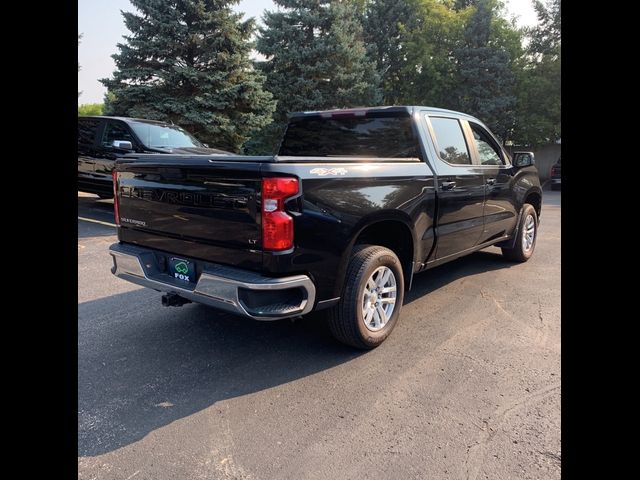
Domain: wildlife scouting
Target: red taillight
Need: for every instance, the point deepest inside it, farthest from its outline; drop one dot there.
(277, 225)
(116, 203)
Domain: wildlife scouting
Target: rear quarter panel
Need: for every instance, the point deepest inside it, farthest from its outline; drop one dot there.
(338, 201)
(525, 182)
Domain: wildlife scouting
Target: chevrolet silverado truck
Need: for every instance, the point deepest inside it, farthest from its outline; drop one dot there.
(352, 206)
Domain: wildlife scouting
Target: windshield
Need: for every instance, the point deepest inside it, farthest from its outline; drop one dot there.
(163, 136)
(375, 135)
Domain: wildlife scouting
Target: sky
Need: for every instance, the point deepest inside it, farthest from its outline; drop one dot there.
(101, 25)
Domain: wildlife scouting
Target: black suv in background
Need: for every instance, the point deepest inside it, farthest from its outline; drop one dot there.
(102, 140)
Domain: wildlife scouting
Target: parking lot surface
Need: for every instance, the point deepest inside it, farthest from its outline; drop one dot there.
(466, 387)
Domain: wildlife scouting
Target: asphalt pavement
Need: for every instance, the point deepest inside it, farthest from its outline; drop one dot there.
(466, 387)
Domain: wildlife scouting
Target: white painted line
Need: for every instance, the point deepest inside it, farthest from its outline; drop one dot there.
(97, 221)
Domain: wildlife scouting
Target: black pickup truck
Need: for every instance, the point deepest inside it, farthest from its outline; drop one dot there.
(354, 203)
(102, 140)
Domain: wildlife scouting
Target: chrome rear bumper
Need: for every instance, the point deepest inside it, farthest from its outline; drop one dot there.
(239, 291)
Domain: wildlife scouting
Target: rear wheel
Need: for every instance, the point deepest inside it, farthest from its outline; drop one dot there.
(527, 234)
(371, 299)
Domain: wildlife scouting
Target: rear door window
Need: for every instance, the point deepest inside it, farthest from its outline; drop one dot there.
(450, 142)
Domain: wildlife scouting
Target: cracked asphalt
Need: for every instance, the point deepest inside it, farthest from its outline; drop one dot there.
(466, 387)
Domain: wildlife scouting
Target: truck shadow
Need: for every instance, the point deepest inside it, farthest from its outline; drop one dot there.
(478, 262)
(142, 366)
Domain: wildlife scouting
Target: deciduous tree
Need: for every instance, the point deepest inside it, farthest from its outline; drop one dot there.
(538, 118)
(485, 80)
(387, 24)
(90, 109)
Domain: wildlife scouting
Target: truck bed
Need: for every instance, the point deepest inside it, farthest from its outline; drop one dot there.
(207, 206)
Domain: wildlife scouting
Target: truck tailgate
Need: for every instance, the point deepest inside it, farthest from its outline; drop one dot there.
(200, 207)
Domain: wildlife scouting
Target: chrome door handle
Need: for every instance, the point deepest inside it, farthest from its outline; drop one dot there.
(491, 181)
(448, 185)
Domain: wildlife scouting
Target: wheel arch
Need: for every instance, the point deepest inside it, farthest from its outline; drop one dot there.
(393, 230)
(533, 197)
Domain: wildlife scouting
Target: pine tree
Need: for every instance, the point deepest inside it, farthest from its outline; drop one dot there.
(187, 61)
(315, 59)
(484, 75)
(386, 23)
(546, 36)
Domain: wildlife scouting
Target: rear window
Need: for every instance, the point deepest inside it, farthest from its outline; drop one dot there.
(370, 136)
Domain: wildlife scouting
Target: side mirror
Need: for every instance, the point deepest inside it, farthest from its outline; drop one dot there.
(122, 144)
(523, 159)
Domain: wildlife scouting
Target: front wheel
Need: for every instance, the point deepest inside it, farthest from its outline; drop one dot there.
(371, 300)
(527, 233)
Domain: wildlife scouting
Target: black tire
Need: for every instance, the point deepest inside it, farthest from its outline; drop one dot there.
(346, 319)
(518, 253)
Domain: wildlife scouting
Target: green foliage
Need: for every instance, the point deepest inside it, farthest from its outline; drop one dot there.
(427, 76)
(458, 55)
(315, 59)
(90, 109)
(485, 81)
(109, 100)
(462, 4)
(545, 37)
(465, 55)
(187, 61)
(386, 23)
(538, 118)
